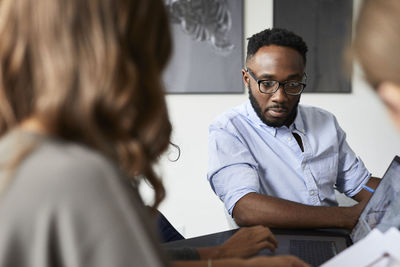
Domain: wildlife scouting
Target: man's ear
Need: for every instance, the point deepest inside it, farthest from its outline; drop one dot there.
(246, 78)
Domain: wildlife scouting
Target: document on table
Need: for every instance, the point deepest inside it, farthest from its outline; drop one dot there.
(375, 250)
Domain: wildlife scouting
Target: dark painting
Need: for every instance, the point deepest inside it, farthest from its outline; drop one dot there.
(325, 26)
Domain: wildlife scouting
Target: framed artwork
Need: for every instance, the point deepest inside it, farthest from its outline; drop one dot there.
(207, 47)
(325, 25)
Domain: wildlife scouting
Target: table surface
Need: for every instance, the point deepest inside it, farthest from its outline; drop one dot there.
(209, 240)
(219, 238)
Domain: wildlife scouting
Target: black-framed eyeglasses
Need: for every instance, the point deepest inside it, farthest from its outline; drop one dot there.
(271, 86)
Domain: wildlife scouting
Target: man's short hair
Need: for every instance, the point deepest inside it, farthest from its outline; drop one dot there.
(276, 36)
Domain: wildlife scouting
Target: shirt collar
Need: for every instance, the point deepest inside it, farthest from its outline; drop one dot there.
(298, 123)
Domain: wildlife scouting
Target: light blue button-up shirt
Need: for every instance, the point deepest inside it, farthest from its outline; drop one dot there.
(246, 155)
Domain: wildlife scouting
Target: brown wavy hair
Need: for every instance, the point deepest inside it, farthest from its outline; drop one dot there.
(90, 71)
(377, 40)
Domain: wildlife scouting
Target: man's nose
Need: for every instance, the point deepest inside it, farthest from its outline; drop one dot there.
(280, 95)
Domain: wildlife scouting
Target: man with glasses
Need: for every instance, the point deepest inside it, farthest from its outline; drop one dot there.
(275, 162)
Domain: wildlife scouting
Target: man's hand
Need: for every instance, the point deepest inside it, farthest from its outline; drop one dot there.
(246, 242)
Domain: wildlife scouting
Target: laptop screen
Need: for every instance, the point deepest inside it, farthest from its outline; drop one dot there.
(382, 210)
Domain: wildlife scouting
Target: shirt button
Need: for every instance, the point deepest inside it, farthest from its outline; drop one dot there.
(312, 192)
(289, 139)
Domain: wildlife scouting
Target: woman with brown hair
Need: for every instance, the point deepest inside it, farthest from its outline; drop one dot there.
(83, 119)
(82, 116)
(377, 47)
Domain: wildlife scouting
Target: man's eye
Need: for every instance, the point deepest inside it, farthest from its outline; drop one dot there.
(268, 83)
(292, 84)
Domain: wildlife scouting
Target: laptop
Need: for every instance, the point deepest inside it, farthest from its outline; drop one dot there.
(319, 245)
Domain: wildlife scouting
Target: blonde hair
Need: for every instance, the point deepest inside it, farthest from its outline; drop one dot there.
(91, 72)
(377, 40)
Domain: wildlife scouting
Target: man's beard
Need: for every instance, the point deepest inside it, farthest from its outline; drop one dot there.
(260, 113)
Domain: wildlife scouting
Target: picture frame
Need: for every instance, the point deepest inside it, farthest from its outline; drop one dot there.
(325, 26)
(207, 47)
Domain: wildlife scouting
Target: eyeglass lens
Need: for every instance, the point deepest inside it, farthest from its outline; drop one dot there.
(271, 86)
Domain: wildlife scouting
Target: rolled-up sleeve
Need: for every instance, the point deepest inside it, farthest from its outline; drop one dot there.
(352, 173)
(232, 169)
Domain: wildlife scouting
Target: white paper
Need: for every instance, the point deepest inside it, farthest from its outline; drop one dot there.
(375, 250)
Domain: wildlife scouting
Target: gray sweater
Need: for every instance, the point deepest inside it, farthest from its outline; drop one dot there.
(67, 205)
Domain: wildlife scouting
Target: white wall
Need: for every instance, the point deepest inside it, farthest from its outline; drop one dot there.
(191, 206)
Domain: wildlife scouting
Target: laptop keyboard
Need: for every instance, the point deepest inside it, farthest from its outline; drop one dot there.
(314, 252)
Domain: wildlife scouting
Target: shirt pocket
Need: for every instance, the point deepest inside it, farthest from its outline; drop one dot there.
(325, 171)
